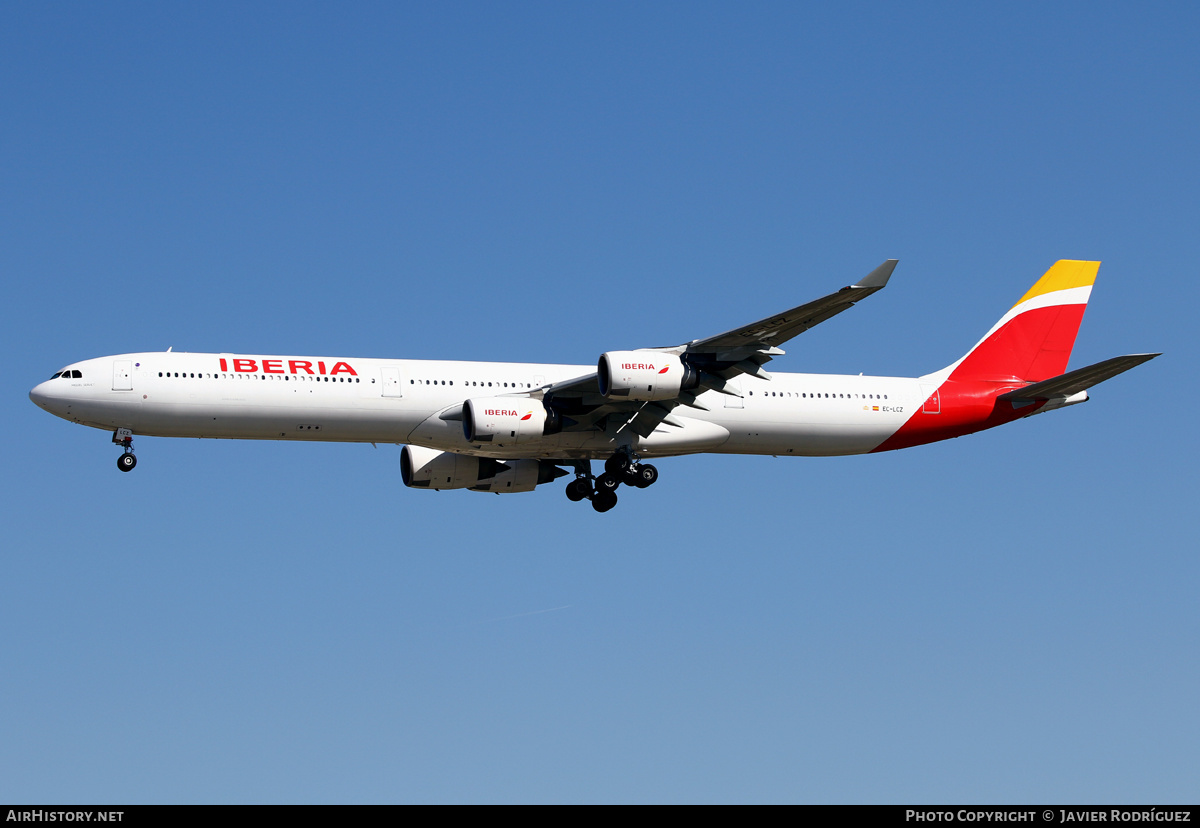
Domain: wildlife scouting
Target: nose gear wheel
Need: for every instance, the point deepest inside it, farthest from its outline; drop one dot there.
(123, 437)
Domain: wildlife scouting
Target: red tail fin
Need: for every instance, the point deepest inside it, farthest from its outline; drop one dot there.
(1033, 341)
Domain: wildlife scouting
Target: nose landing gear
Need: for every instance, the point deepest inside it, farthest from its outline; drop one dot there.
(123, 437)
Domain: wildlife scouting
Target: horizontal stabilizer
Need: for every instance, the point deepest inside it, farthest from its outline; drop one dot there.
(1078, 380)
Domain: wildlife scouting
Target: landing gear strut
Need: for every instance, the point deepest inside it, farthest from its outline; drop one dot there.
(123, 437)
(600, 490)
(624, 467)
(621, 467)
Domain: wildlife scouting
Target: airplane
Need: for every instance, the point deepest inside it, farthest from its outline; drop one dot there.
(510, 427)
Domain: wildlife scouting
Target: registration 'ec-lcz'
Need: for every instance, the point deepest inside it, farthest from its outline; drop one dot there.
(508, 427)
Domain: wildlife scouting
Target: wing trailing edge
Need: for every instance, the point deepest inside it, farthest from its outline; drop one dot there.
(774, 330)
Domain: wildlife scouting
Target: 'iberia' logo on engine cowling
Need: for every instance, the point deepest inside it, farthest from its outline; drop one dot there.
(504, 412)
(643, 366)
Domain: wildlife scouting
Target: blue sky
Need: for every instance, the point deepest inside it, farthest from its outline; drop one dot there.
(1008, 617)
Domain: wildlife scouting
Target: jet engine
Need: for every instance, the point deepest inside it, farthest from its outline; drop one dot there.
(508, 420)
(644, 375)
(426, 468)
(520, 476)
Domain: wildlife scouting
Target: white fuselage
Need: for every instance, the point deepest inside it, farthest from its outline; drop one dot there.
(419, 402)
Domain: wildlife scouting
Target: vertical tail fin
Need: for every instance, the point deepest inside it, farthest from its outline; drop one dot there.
(1033, 341)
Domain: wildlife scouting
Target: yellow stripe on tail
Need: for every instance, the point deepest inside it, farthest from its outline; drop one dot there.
(1065, 273)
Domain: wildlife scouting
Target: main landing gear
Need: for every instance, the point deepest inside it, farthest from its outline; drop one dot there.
(123, 437)
(622, 467)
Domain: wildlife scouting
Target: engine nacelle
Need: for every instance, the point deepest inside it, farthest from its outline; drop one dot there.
(644, 375)
(426, 468)
(506, 420)
(520, 476)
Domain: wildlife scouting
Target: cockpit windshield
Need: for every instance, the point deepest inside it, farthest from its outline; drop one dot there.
(73, 374)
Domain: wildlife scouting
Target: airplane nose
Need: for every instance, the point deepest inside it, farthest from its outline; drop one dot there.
(39, 396)
(44, 397)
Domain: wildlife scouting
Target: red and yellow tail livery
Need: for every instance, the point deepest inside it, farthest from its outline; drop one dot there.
(1030, 344)
(1033, 340)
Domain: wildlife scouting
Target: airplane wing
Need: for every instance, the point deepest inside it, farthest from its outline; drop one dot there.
(1078, 380)
(718, 358)
(744, 350)
(770, 332)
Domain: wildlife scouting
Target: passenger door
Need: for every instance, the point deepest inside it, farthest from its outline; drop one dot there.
(122, 375)
(391, 382)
